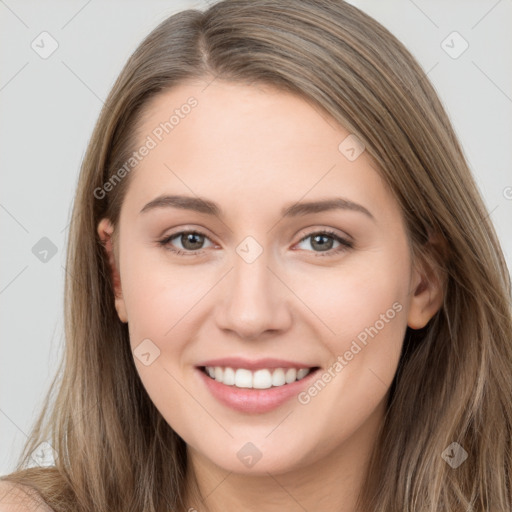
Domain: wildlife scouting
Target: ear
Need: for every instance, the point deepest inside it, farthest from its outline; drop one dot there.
(428, 284)
(105, 231)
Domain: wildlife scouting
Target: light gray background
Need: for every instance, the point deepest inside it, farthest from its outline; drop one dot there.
(49, 107)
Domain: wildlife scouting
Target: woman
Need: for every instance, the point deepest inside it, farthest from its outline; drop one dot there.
(286, 290)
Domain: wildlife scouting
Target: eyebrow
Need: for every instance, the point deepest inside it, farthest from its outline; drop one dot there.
(208, 207)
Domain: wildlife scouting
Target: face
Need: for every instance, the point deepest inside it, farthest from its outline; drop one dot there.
(250, 239)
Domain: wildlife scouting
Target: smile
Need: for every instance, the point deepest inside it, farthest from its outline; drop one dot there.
(260, 379)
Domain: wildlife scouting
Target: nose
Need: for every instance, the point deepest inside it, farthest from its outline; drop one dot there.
(254, 301)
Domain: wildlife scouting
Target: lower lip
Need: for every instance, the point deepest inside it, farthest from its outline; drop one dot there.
(255, 401)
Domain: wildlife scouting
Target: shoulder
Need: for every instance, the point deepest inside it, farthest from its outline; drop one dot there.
(18, 498)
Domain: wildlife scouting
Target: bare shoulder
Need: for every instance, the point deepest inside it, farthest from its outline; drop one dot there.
(18, 498)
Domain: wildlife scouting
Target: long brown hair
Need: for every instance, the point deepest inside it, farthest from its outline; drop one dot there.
(453, 384)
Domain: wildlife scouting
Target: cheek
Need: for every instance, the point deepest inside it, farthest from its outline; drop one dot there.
(363, 291)
(362, 306)
(363, 312)
(157, 295)
(160, 304)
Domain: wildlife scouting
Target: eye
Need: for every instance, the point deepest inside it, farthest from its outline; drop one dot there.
(189, 242)
(324, 242)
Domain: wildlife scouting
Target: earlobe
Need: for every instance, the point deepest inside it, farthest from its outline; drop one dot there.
(105, 231)
(427, 293)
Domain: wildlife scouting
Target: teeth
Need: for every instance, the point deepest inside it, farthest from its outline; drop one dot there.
(302, 373)
(228, 376)
(259, 379)
(243, 378)
(291, 375)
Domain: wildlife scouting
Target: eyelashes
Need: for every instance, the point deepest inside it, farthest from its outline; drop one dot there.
(315, 237)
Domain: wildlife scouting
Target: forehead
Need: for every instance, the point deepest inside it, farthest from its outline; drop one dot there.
(228, 115)
(248, 142)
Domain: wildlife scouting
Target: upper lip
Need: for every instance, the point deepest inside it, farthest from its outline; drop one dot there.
(258, 364)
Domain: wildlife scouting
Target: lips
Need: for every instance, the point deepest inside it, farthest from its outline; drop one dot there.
(255, 386)
(254, 401)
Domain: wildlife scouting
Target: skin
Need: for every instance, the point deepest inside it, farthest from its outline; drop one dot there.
(254, 150)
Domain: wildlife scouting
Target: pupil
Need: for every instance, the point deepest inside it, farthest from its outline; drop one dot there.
(191, 238)
(325, 245)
